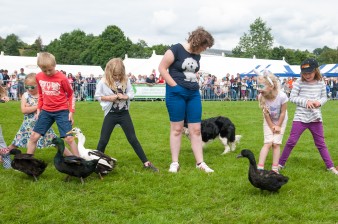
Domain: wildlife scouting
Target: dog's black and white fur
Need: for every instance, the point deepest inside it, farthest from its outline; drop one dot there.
(220, 127)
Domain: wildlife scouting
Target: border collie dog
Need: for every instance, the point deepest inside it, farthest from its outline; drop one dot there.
(220, 127)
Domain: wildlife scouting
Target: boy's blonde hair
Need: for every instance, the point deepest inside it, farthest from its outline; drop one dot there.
(115, 71)
(268, 79)
(46, 59)
(31, 77)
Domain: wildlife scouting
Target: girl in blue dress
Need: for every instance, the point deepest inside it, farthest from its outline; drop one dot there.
(29, 102)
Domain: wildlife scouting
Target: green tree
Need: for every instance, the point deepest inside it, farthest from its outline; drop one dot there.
(278, 53)
(34, 49)
(328, 56)
(300, 56)
(2, 44)
(69, 48)
(139, 50)
(38, 45)
(12, 44)
(160, 49)
(112, 43)
(257, 42)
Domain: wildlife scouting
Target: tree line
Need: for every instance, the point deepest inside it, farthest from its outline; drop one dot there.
(79, 48)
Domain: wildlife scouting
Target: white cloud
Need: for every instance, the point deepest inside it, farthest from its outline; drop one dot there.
(300, 24)
(163, 18)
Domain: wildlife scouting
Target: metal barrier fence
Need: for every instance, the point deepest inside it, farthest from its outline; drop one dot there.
(211, 94)
(82, 92)
(86, 92)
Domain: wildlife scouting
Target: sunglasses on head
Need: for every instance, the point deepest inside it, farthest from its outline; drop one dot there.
(30, 87)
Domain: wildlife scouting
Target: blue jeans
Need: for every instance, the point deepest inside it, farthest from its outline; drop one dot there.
(233, 94)
(254, 94)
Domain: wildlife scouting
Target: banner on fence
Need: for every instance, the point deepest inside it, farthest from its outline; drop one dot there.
(145, 91)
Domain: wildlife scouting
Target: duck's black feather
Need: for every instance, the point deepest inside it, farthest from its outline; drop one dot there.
(72, 165)
(27, 164)
(106, 163)
(103, 156)
(263, 179)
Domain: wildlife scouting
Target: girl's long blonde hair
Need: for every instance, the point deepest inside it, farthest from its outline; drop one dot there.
(267, 78)
(115, 71)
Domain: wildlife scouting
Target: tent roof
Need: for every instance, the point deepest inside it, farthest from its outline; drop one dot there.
(141, 66)
(211, 64)
(220, 66)
(12, 63)
(329, 70)
(277, 69)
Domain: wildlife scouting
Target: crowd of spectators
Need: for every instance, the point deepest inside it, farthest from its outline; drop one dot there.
(230, 87)
(150, 79)
(234, 88)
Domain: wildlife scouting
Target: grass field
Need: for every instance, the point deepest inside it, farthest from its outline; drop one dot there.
(132, 195)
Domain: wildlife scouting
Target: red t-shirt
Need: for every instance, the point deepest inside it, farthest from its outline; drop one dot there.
(55, 92)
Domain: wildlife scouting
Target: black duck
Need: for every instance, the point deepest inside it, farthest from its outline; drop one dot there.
(263, 179)
(106, 163)
(27, 164)
(72, 165)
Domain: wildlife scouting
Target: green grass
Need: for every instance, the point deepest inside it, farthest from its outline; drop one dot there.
(132, 195)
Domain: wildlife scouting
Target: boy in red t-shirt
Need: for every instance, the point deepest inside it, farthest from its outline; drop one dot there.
(56, 104)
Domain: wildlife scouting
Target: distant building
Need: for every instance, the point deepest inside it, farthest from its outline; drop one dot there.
(217, 52)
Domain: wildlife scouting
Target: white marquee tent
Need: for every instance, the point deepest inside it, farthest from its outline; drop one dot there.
(12, 63)
(210, 64)
(329, 70)
(279, 70)
(141, 66)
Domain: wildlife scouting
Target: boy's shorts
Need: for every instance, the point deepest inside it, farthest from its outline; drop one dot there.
(46, 120)
(183, 104)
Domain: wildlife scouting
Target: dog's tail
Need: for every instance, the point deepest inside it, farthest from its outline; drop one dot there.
(238, 138)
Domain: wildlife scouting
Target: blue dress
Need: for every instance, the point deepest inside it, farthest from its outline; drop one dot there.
(22, 136)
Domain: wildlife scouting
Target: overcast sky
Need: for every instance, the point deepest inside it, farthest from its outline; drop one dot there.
(296, 24)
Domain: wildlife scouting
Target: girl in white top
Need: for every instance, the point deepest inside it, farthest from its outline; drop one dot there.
(273, 103)
(114, 92)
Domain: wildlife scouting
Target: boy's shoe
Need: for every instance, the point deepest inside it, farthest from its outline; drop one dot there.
(333, 170)
(174, 167)
(151, 167)
(203, 166)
